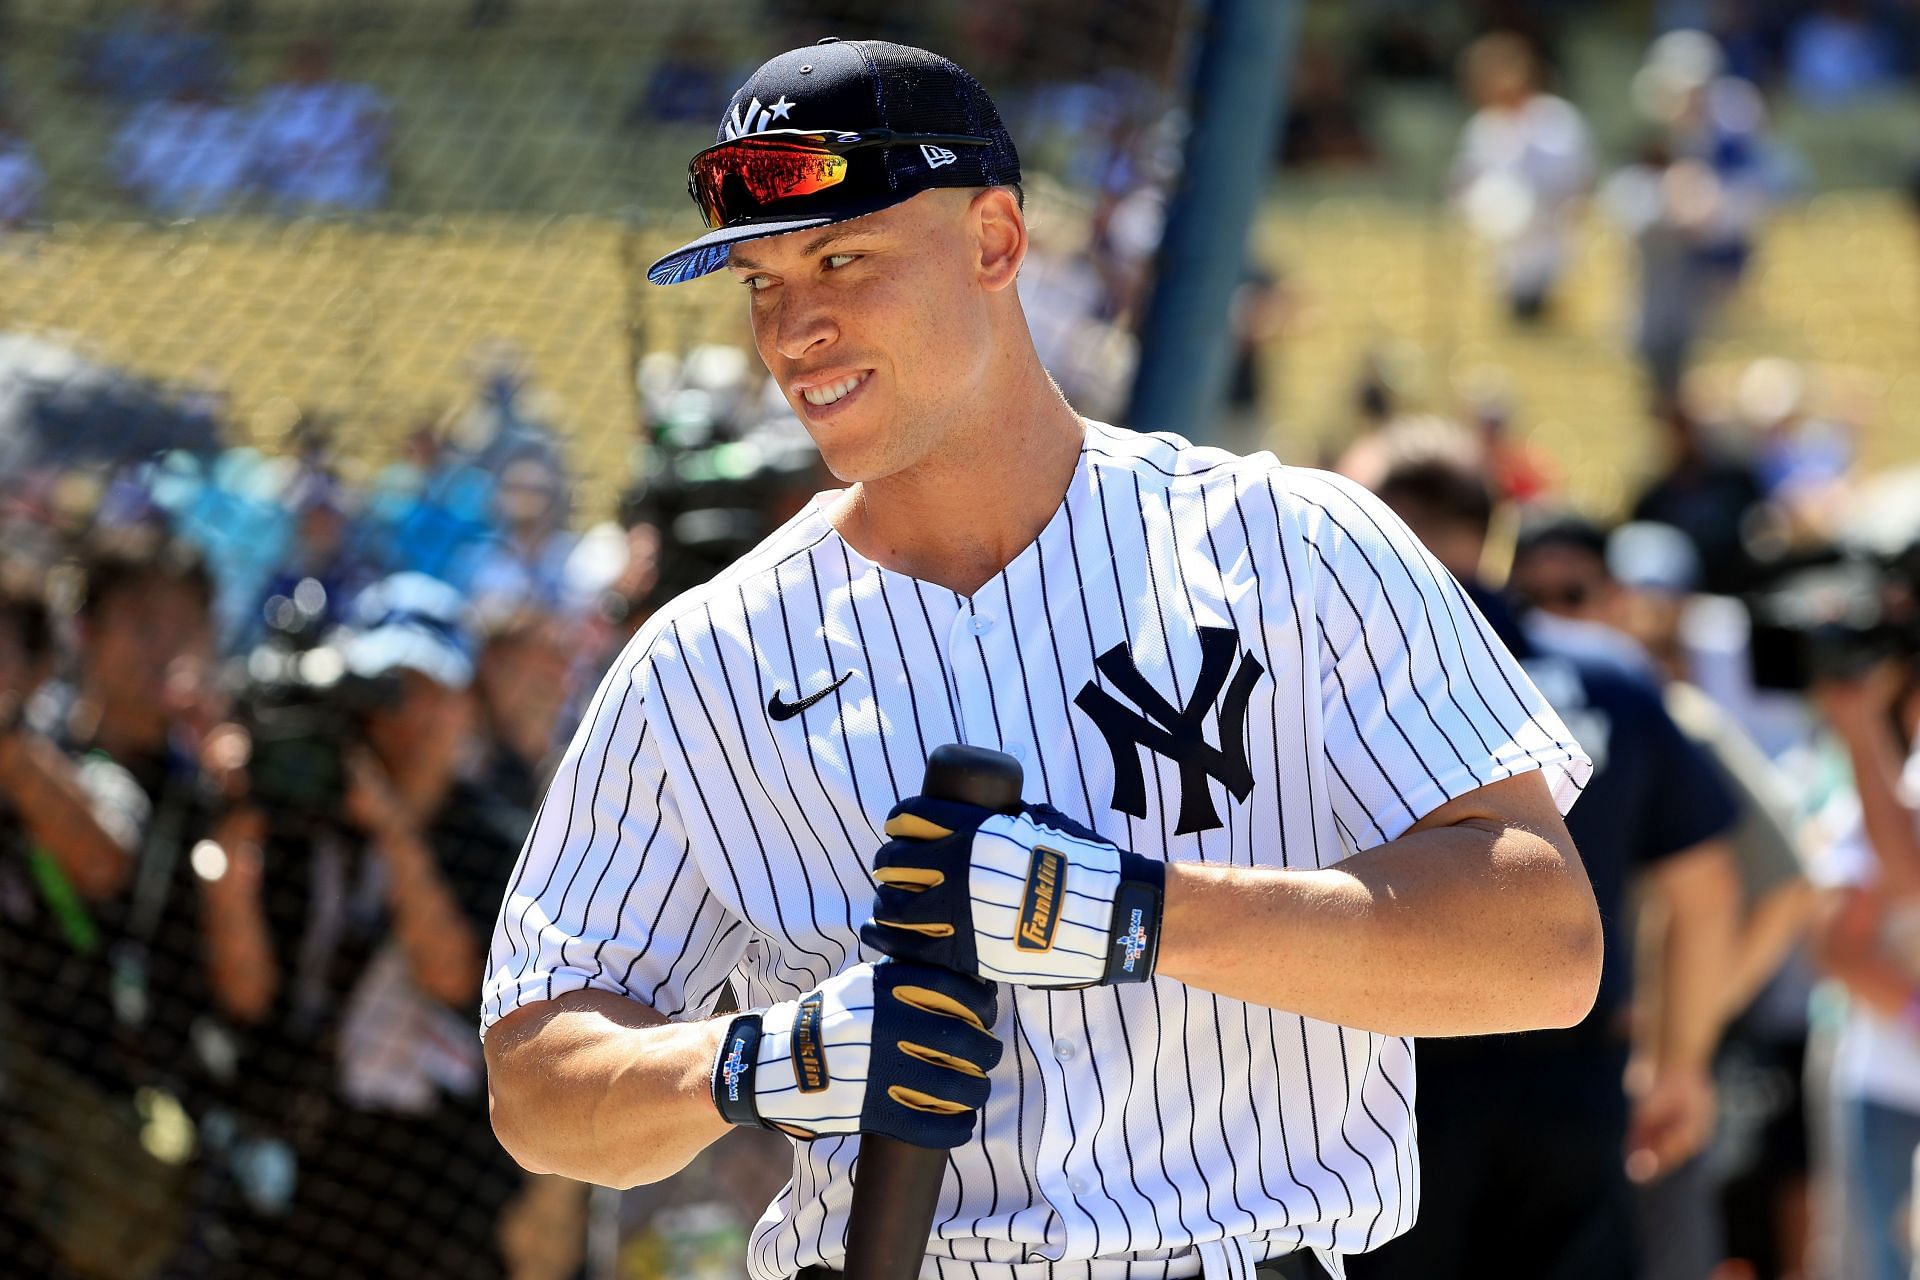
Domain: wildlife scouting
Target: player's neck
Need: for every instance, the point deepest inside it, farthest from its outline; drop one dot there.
(959, 518)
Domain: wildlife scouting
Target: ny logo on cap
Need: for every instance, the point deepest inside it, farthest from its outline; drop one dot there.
(937, 156)
(753, 117)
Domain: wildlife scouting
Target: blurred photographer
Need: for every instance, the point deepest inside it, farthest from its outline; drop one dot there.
(120, 962)
(1867, 937)
(376, 899)
(525, 679)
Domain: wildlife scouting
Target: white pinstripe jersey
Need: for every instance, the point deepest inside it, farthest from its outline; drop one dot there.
(691, 839)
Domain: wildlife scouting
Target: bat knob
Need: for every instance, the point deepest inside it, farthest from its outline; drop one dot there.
(974, 775)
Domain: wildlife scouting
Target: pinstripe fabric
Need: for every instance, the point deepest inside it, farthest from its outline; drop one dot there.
(691, 840)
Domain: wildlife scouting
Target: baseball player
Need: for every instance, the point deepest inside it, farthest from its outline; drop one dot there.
(1290, 801)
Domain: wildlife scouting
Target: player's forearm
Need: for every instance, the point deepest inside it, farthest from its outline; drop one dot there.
(601, 1089)
(1458, 930)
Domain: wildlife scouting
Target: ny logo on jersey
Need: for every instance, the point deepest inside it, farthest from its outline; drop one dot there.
(1175, 732)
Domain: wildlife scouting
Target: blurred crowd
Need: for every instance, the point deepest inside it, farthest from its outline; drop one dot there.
(1741, 657)
(185, 144)
(269, 744)
(1692, 201)
(270, 740)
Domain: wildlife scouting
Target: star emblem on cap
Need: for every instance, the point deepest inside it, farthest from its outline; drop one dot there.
(779, 110)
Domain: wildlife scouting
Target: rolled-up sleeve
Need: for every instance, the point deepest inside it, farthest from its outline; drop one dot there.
(607, 895)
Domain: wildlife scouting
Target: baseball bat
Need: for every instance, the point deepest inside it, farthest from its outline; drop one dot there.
(896, 1185)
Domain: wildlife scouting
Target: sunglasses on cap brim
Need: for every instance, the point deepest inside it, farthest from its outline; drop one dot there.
(745, 178)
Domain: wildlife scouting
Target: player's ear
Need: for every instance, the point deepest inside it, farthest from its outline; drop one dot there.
(1000, 231)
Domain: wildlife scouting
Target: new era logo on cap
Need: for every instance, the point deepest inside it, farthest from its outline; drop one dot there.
(937, 156)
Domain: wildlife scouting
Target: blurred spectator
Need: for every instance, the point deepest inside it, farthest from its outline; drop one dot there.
(1324, 127)
(1531, 1130)
(312, 590)
(1838, 53)
(1262, 305)
(1717, 120)
(1525, 160)
(1694, 200)
(22, 182)
(1559, 577)
(1568, 572)
(41, 804)
(1070, 310)
(1519, 472)
(321, 142)
(684, 86)
(124, 955)
(525, 679)
(1803, 458)
(154, 51)
(1401, 44)
(1764, 1143)
(525, 565)
(1665, 206)
(1869, 940)
(376, 902)
(1708, 493)
(185, 154)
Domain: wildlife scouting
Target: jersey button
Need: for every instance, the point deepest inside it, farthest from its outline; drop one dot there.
(1064, 1050)
(980, 625)
(1017, 751)
(1077, 1185)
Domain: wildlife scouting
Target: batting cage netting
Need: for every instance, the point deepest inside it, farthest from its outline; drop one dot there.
(342, 444)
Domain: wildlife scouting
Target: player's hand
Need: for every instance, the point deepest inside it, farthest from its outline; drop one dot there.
(1032, 898)
(899, 1049)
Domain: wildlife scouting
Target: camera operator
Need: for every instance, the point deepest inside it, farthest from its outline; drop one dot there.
(1868, 938)
(111, 945)
(376, 899)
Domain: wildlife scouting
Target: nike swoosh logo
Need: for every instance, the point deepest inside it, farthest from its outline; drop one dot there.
(788, 710)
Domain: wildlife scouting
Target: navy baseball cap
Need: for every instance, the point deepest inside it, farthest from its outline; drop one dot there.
(833, 131)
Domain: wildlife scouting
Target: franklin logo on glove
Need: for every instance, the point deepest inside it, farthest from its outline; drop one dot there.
(809, 1055)
(1032, 897)
(1037, 911)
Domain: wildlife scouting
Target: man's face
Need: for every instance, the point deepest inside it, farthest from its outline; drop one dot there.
(877, 329)
(525, 680)
(137, 641)
(421, 737)
(1565, 580)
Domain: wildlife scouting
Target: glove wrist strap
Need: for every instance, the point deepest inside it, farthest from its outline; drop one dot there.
(1135, 938)
(733, 1073)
